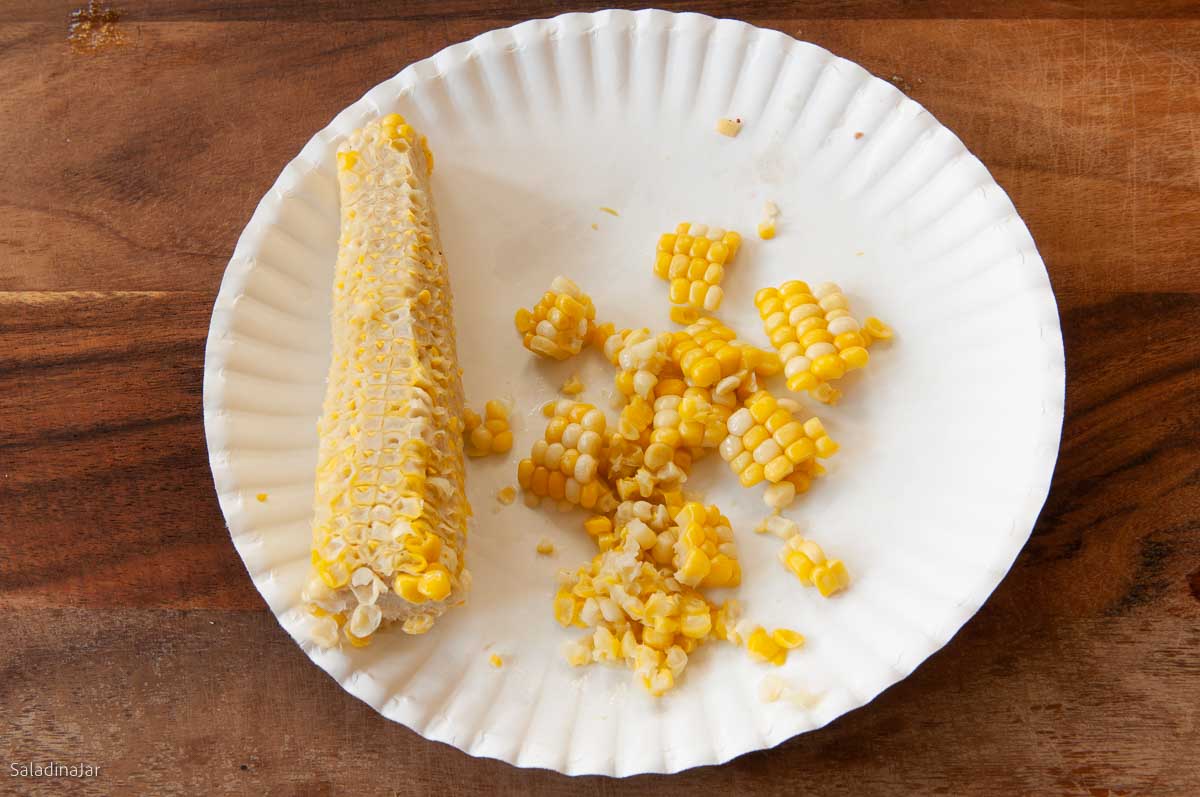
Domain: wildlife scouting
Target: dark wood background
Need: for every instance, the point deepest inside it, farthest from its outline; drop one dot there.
(133, 639)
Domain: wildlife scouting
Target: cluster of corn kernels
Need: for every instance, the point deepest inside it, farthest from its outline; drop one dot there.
(771, 647)
(560, 323)
(490, 434)
(565, 465)
(685, 422)
(805, 559)
(709, 354)
(639, 594)
(639, 357)
(693, 260)
(705, 555)
(817, 338)
(767, 442)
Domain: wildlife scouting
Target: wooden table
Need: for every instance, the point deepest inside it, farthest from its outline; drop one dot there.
(133, 639)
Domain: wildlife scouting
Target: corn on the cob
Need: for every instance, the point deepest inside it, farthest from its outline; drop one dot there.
(390, 513)
(490, 434)
(560, 323)
(693, 260)
(817, 338)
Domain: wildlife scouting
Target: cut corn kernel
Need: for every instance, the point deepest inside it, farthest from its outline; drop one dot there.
(729, 127)
(545, 547)
(766, 230)
(560, 323)
(506, 495)
(692, 260)
(572, 387)
(495, 661)
(262, 498)
(390, 512)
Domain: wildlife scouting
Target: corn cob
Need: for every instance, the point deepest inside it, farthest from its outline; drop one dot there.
(817, 338)
(390, 513)
(560, 323)
(692, 260)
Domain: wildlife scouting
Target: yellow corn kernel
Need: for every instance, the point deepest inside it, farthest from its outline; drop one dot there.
(762, 647)
(598, 525)
(766, 230)
(695, 568)
(755, 437)
(434, 584)
(854, 357)
(877, 329)
(831, 577)
(787, 638)
(406, 587)
(565, 608)
(829, 367)
(696, 626)
(560, 323)
(752, 475)
(545, 547)
(826, 447)
(495, 661)
(729, 127)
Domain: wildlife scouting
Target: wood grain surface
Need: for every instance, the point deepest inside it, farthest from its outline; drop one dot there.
(133, 639)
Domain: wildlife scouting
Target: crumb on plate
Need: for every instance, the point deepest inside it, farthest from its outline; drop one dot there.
(729, 127)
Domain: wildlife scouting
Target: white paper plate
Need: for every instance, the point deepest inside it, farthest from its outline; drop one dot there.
(948, 438)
